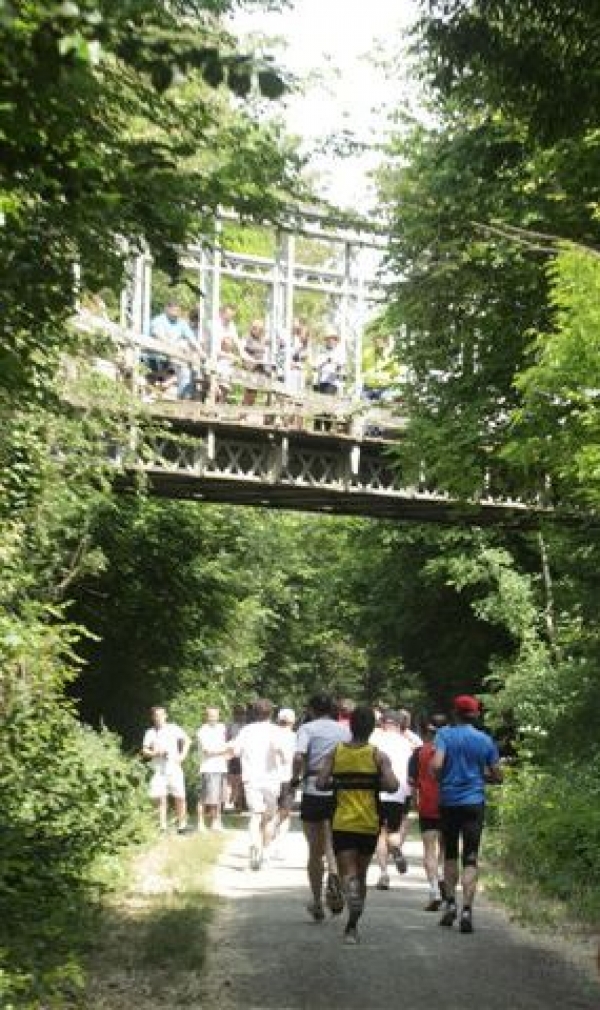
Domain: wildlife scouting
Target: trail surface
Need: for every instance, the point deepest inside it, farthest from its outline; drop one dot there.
(266, 954)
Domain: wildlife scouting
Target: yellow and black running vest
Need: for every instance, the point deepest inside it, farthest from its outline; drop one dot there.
(356, 784)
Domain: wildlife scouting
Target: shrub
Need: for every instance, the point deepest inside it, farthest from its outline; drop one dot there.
(551, 833)
(68, 796)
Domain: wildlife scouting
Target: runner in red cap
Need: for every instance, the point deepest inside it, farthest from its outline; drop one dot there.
(464, 759)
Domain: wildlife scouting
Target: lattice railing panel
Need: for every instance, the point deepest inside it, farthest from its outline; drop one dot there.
(171, 454)
(244, 460)
(376, 474)
(313, 468)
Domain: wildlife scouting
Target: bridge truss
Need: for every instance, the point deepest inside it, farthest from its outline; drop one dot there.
(296, 451)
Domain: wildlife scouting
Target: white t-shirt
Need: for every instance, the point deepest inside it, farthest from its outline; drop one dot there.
(398, 747)
(288, 746)
(258, 746)
(166, 739)
(212, 737)
(316, 739)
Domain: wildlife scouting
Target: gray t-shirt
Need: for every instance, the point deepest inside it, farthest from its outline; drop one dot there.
(317, 739)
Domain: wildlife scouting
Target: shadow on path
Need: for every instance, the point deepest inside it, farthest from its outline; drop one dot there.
(266, 954)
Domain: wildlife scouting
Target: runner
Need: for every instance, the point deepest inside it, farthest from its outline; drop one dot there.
(315, 740)
(464, 759)
(427, 793)
(258, 745)
(390, 739)
(412, 741)
(212, 743)
(357, 770)
(166, 746)
(287, 792)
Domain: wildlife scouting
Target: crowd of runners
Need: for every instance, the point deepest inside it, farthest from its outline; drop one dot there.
(358, 770)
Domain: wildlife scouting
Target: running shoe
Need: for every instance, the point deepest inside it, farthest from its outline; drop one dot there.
(334, 898)
(466, 921)
(433, 905)
(399, 860)
(449, 915)
(351, 936)
(255, 858)
(315, 909)
(383, 884)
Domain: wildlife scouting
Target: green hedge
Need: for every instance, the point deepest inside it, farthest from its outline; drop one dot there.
(550, 833)
(68, 796)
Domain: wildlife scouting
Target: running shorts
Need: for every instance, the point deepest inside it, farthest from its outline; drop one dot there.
(429, 824)
(171, 783)
(212, 789)
(464, 822)
(355, 841)
(391, 814)
(316, 808)
(261, 799)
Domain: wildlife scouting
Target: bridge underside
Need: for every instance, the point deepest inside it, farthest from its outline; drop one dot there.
(299, 471)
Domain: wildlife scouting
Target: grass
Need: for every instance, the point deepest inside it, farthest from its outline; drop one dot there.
(527, 902)
(154, 933)
(176, 931)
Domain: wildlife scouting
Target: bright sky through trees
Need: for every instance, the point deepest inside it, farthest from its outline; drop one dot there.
(338, 46)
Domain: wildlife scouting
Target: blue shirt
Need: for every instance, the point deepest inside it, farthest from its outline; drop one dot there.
(467, 753)
(171, 330)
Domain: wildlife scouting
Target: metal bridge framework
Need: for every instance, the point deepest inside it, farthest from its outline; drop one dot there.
(269, 455)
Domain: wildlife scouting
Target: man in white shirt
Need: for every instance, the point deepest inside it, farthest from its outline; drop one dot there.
(212, 746)
(315, 740)
(329, 366)
(258, 745)
(166, 746)
(391, 739)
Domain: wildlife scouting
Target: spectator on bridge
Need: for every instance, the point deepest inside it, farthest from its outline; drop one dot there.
(171, 328)
(225, 329)
(227, 358)
(200, 375)
(329, 366)
(301, 357)
(255, 357)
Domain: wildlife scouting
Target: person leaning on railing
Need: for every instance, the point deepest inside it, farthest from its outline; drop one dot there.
(255, 357)
(169, 327)
(329, 367)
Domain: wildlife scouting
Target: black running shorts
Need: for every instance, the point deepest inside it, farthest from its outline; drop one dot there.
(391, 815)
(355, 841)
(429, 824)
(464, 822)
(316, 808)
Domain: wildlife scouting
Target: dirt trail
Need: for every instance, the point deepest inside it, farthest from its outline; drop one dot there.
(266, 954)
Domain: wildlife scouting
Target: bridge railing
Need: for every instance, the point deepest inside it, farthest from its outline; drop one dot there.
(274, 403)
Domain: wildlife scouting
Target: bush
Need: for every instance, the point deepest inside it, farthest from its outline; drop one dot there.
(550, 836)
(68, 797)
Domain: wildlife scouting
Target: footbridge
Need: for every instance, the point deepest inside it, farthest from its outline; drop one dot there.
(268, 436)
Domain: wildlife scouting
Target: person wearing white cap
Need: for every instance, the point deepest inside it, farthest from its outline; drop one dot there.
(286, 719)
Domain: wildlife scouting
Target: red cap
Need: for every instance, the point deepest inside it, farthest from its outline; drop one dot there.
(467, 704)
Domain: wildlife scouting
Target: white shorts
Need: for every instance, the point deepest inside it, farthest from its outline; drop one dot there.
(170, 783)
(261, 799)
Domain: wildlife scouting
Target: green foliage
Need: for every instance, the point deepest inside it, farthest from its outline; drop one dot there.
(68, 796)
(552, 840)
(558, 423)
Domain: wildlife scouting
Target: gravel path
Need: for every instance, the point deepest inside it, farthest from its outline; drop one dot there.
(266, 954)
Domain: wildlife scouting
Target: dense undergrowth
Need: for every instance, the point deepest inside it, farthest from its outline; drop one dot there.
(548, 841)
